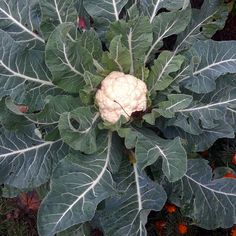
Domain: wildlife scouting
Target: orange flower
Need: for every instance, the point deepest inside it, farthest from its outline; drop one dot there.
(233, 160)
(160, 225)
(233, 231)
(229, 175)
(170, 208)
(182, 229)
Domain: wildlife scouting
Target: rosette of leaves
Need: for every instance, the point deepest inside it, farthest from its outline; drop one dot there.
(114, 175)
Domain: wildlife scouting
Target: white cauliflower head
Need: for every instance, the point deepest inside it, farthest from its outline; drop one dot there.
(121, 94)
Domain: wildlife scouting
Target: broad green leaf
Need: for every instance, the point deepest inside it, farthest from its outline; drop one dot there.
(67, 60)
(209, 60)
(26, 160)
(23, 73)
(175, 103)
(126, 213)
(213, 106)
(211, 203)
(167, 24)
(207, 118)
(168, 108)
(21, 20)
(56, 12)
(151, 7)
(195, 139)
(137, 38)
(78, 129)
(104, 10)
(78, 184)
(150, 147)
(118, 57)
(159, 77)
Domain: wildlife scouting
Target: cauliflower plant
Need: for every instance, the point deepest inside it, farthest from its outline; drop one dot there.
(121, 94)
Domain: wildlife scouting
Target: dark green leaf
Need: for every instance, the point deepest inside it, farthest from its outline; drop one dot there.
(79, 183)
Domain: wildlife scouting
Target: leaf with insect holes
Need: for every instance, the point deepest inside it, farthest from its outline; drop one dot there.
(21, 20)
(23, 73)
(67, 60)
(56, 12)
(27, 160)
(79, 183)
(129, 209)
(213, 202)
(150, 147)
(78, 129)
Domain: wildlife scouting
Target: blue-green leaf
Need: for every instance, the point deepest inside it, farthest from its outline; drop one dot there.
(208, 61)
(79, 183)
(126, 213)
(26, 159)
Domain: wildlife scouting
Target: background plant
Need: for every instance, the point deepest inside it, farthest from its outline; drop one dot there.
(114, 175)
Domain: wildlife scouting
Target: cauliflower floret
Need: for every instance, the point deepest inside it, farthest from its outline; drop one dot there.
(121, 94)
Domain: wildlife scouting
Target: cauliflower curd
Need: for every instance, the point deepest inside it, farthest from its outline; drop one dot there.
(121, 94)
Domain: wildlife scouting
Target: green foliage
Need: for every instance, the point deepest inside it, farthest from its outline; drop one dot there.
(115, 174)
